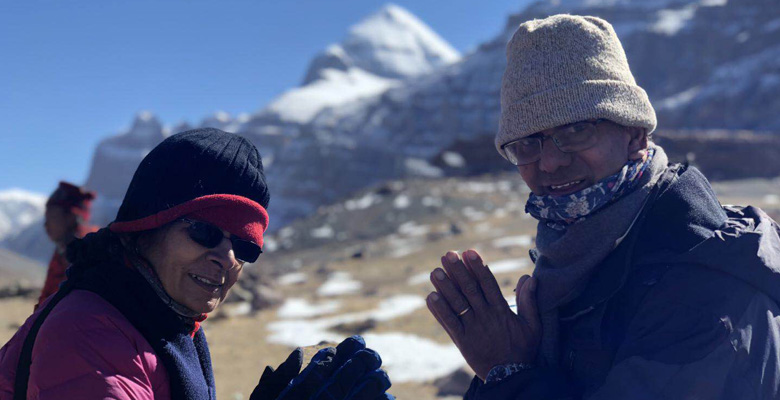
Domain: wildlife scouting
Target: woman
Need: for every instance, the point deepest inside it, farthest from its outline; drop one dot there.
(126, 323)
(66, 219)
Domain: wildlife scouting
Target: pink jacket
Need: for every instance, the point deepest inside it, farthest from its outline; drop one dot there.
(86, 349)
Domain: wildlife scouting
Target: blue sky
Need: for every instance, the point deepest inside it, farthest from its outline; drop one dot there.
(74, 72)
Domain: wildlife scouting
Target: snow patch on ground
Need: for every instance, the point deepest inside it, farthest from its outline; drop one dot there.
(670, 21)
(293, 278)
(453, 159)
(301, 308)
(420, 167)
(402, 247)
(411, 228)
(473, 214)
(431, 201)
(486, 187)
(323, 232)
(482, 228)
(679, 99)
(362, 203)
(500, 213)
(512, 301)
(503, 266)
(304, 332)
(419, 279)
(410, 358)
(406, 357)
(513, 241)
(270, 244)
(402, 201)
(339, 283)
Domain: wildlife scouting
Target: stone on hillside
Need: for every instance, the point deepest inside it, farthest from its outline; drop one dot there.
(454, 384)
(455, 229)
(355, 328)
(264, 296)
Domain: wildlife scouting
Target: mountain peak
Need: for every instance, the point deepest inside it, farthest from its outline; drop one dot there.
(391, 43)
(396, 12)
(145, 127)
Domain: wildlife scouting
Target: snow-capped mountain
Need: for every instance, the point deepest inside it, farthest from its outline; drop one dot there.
(18, 209)
(378, 53)
(21, 224)
(392, 43)
(389, 49)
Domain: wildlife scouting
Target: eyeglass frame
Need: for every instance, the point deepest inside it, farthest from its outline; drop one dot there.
(554, 137)
(230, 237)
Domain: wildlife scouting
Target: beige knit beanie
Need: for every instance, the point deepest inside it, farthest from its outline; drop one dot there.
(565, 69)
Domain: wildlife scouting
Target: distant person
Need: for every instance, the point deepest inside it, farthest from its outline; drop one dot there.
(644, 286)
(66, 219)
(126, 322)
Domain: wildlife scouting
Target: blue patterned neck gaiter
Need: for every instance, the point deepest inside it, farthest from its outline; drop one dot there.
(561, 211)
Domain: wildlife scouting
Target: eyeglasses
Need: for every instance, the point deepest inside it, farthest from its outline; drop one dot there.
(209, 236)
(570, 138)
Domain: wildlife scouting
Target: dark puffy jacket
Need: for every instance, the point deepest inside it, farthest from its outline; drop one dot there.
(685, 308)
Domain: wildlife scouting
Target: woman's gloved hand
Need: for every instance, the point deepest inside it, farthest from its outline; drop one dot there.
(272, 382)
(348, 372)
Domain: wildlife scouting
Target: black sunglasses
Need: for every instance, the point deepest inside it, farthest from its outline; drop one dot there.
(209, 236)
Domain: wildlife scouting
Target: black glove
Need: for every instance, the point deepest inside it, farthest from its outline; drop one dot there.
(317, 374)
(358, 379)
(286, 382)
(272, 382)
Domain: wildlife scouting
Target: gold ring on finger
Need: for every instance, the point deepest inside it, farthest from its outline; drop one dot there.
(460, 314)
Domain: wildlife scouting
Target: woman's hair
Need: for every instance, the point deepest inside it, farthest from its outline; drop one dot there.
(105, 245)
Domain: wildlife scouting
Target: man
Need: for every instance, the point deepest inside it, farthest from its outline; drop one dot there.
(67, 215)
(644, 285)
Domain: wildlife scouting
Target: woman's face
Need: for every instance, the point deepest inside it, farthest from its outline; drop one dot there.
(193, 275)
(59, 224)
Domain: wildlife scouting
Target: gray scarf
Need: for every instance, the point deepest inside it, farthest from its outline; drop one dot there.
(146, 270)
(567, 258)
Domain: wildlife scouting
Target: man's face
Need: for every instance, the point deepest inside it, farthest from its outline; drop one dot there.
(558, 173)
(59, 223)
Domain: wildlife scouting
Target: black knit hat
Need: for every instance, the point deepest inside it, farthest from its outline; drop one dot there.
(204, 171)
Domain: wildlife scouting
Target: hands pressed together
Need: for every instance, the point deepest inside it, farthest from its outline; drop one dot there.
(469, 305)
(348, 372)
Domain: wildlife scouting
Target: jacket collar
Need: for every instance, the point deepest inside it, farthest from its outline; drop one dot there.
(681, 212)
